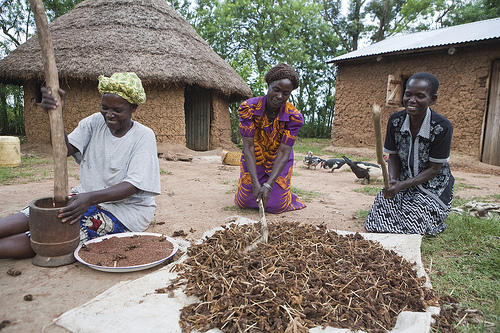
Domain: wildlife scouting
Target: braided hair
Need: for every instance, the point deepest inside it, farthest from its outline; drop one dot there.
(282, 71)
(431, 80)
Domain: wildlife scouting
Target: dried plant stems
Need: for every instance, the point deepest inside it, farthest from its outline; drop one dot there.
(305, 274)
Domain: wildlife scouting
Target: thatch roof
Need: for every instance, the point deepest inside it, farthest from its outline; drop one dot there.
(143, 36)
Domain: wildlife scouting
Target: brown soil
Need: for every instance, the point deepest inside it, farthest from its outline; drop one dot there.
(197, 195)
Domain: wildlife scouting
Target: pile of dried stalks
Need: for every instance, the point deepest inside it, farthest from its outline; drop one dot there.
(306, 276)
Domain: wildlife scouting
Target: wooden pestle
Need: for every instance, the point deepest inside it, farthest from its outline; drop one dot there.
(378, 140)
(60, 151)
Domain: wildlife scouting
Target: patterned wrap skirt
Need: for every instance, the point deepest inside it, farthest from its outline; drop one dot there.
(95, 222)
(281, 200)
(410, 212)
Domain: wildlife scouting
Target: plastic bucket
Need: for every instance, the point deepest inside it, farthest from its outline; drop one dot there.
(10, 151)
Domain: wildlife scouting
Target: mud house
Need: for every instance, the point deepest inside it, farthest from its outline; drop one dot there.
(465, 59)
(188, 86)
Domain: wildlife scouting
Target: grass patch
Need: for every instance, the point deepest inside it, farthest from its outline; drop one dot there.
(240, 211)
(305, 195)
(466, 264)
(369, 190)
(164, 172)
(458, 201)
(360, 216)
(303, 145)
(31, 169)
(232, 182)
(460, 184)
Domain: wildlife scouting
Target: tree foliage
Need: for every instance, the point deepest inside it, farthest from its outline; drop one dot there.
(254, 35)
(387, 13)
(11, 112)
(15, 20)
(348, 28)
(421, 15)
(18, 24)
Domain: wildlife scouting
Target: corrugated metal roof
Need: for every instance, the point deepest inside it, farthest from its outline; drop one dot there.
(464, 33)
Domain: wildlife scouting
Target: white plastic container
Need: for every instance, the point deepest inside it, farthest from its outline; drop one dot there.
(10, 151)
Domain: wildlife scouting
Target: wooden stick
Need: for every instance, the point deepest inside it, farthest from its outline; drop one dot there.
(263, 229)
(263, 222)
(378, 140)
(60, 151)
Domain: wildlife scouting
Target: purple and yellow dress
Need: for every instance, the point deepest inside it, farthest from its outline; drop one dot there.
(267, 138)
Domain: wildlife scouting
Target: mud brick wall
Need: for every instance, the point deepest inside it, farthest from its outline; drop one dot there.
(82, 100)
(220, 127)
(462, 94)
(163, 112)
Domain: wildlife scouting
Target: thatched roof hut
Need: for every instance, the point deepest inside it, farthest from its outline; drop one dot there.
(188, 85)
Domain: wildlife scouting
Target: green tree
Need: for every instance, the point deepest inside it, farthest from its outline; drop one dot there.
(425, 14)
(387, 13)
(56, 8)
(11, 110)
(252, 36)
(18, 24)
(467, 12)
(348, 28)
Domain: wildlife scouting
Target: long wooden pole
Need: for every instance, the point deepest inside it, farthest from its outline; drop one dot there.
(378, 139)
(60, 151)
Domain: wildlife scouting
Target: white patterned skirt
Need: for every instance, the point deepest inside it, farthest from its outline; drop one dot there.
(410, 212)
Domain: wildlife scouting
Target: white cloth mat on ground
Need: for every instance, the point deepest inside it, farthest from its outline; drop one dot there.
(133, 306)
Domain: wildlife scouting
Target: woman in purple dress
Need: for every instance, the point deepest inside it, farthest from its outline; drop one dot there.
(269, 127)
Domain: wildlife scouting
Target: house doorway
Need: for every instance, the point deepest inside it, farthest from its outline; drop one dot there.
(197, 112)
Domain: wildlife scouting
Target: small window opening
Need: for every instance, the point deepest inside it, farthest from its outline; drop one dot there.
(38, 93)
(394, 96)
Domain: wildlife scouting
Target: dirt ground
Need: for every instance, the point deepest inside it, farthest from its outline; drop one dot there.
(197, 195)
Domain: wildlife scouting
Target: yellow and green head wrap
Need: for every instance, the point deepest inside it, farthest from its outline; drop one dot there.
(125, 85)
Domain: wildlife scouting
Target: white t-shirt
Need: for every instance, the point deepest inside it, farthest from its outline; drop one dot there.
(106, 160)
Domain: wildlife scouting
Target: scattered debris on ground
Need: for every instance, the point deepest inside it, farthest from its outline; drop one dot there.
(452, 315)
(13, 272)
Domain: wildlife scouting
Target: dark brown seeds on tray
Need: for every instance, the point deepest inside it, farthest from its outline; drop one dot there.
(126, 251)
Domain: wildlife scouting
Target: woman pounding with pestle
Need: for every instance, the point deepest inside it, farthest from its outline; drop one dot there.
(119, 171)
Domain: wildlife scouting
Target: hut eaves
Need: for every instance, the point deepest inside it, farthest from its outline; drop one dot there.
(487, 30)
(147, 37)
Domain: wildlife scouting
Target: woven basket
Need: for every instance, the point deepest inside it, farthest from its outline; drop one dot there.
(230, 157)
